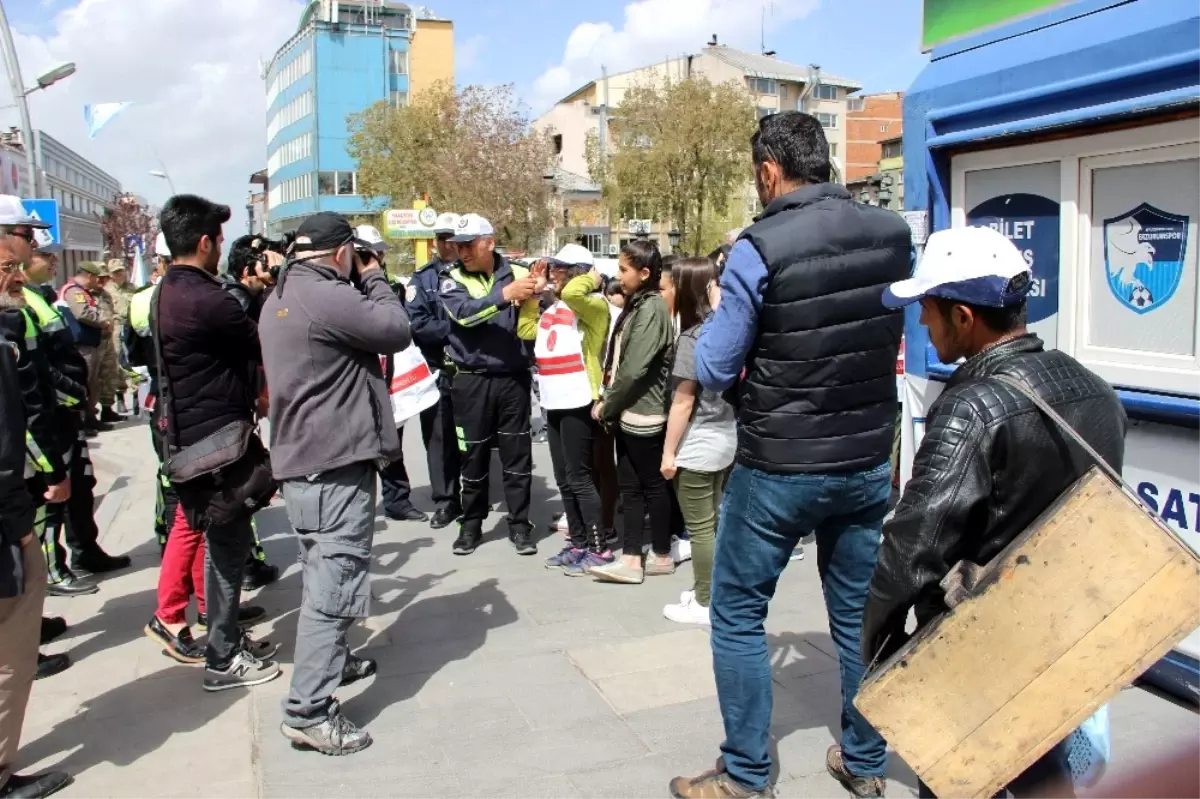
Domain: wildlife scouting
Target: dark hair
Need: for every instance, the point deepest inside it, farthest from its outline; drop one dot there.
(669, 261)
(998, 320)
(186, 218)
(643, 254)
(612, 286)
(242, 257)
(796, 142)
(691, 277)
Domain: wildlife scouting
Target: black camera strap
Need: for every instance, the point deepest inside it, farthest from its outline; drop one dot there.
(164, 391)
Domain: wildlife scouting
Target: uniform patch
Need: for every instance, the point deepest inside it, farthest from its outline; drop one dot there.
(447, 285)
(410, 293)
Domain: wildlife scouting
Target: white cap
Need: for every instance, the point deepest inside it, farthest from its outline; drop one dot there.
(974, 265)
(370, 235)
(446, 223)
(574, 255)
(160, 246)
(12, 212)
(471, 227)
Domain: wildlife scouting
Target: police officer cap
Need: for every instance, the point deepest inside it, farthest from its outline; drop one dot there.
(96, 268)
(446, 223)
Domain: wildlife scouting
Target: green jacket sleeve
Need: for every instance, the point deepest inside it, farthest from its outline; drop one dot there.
(649, 333)
(581, 297)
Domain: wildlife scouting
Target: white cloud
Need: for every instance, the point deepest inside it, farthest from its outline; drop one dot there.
(190, 68)
(466, 53)
(654, 30)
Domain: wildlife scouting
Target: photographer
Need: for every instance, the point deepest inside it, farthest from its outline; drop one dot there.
(331, 433)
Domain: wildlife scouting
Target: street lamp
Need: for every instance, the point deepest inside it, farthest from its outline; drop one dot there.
(54, 76)
(674, 236)
(161, 174)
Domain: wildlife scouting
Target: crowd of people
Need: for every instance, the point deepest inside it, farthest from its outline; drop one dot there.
(736, 403)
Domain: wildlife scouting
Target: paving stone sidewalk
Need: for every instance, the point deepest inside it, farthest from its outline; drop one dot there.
(497, 677)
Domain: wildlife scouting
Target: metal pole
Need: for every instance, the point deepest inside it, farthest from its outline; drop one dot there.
(18, 90)
(604, 115)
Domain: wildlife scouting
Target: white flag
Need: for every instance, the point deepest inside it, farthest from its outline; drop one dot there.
(98, 115)
(140, 276)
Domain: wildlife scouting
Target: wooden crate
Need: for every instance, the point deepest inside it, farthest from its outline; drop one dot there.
(1078, 606)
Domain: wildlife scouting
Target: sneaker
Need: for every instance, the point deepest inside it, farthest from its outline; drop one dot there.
(590, 560)
(336, 735)
(407, 514)
(688, 611)
(100, 562)
(658, 567)
(523, 542)
(259, 574)
(566, 557)
(618, 572)
(716, 784)
(248, 616)
(49, 665)
(35, 785)
(857, 786)
(261, 650)
(444, 517)
(467, 541)
(243, 671)
(559, 523)
(52, 627)
(681, 550)
(797, 553)
(182, 647)
(357, 668)
(71, 586)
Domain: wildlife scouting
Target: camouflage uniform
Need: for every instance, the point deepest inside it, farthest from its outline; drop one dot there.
(120, 296)
(111, 379)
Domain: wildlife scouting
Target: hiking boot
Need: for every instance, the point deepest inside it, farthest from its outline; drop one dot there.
(335, 736)
(522, 541)
(243, 671)
(356, 669)
(52, 627)
(568, 556)
(716, 784)
(856, 785)
(182, 647)
(590, 560)
(248, 616)
(70, 586)
(99, 562)
(467, 541)
(445, 516)
(49, 665)
(259, 574)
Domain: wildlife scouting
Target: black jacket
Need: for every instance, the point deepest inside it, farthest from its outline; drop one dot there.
(47, 445)
(68, 368)
(426, 314)
(210, 352)
(989, 463)
(16, 505)
(820, 388)
(251, 303)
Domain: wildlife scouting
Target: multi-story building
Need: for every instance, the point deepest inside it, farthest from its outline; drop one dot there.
(885, 185)
(84, 192)
(870, 120)
(345, 57)
(774, 84)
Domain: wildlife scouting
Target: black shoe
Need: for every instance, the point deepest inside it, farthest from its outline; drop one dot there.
(182, 648)
(108, 415)
(35, 786)
(409, 514)
(522, 541)
(336, 735)
(248, 616)
(99, 562)
(445, 516)
(356, 669)
(258, 574)
(261, 650)
(467, 541)
(49, 665)
(93, 425)
(71, 586)
(52, 628)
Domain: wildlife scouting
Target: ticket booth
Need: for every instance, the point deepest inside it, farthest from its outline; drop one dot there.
(1074, 130)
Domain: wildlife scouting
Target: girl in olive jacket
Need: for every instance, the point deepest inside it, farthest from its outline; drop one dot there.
(634, 400)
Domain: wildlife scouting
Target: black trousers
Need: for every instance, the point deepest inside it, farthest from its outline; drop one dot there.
(441, 448)
(644, 490)
(394, 483)
(572, 434)
(494, 409)
(82, 534)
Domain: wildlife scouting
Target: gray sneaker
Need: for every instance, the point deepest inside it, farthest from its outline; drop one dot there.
(336, 735)
(244, 671)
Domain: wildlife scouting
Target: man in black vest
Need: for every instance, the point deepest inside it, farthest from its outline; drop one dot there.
(800, 315)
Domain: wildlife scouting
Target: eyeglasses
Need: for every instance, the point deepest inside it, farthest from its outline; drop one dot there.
(8, 268)
(22, 234)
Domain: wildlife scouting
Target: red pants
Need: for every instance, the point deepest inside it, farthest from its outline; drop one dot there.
(182, 572)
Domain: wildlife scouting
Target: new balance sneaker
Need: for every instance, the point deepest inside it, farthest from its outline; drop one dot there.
(335, 736)
(590, 560)
(261, 650)
(243, 671)
(688, 611)
(565, 558)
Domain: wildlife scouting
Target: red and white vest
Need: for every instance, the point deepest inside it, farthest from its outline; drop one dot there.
(414, 385)
(562, 376)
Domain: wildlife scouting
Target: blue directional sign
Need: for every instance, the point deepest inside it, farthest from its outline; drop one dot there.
(47, 211)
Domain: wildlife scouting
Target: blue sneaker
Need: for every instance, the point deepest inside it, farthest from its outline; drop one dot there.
(569, 556)
(588, 561)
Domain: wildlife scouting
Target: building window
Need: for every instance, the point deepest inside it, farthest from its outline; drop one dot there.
(289, 153)
(765, 112)
(893, 149)
(399, 62)
(855, 105)
(326, 183)
(833, 149)
(558, 144)
(884, 127)
(396, 20)
(289, 114)
(828, 121)
(593, 241)
(399, 99)
(345, 183)
(763, 85)
(826, 92)
(291, 72)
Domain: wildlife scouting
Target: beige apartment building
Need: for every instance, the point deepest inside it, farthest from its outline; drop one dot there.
(775, 85)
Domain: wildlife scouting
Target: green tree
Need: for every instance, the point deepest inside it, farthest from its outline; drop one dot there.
(471, 151)
(681, 153)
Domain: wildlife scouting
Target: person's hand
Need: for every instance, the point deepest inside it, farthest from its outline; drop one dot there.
(538, 273)
(520, 290)
(368, 267)
(598, 411)
(59, 493)
(714, 295)
(668, 467)
(106, 326)
(26, 540)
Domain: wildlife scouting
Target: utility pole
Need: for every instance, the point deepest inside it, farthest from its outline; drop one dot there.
(603, 134)
(18, 90)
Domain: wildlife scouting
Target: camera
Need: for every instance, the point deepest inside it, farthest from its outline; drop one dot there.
(261, 245)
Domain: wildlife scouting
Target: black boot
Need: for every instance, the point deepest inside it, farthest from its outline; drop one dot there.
(49, 665)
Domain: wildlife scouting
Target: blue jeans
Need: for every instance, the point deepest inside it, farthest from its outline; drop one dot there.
(763, 518)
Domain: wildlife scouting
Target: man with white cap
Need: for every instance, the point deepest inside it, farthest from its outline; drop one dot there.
(991, 461)
(431, 329)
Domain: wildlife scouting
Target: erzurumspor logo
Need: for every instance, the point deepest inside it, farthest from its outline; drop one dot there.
(1143, 253)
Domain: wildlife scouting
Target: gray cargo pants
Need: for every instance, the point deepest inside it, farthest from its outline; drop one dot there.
(333, 513)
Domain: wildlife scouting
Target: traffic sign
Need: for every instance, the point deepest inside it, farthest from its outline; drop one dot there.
(46, 211)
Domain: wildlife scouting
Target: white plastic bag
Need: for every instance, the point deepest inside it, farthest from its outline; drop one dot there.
(1089, 749)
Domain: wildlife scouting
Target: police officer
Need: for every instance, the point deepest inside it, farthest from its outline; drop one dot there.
(430, 331)
(493, 310)
(80, 296)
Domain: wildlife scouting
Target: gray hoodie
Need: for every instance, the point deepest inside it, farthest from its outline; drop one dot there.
(322, 340)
